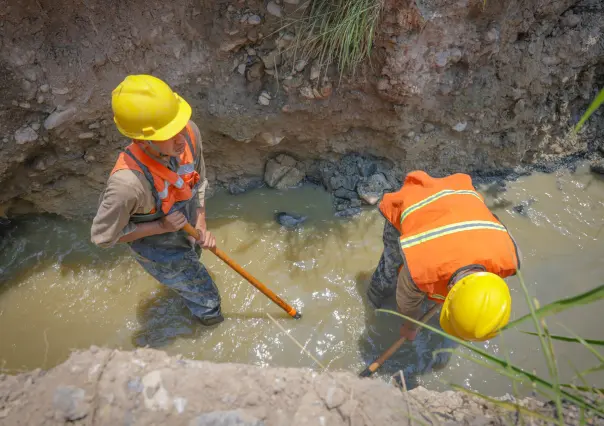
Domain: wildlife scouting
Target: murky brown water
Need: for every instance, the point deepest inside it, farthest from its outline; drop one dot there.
(58, 292)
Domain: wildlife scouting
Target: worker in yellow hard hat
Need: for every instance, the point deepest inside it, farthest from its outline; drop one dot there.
(157, 185)
(442, 242)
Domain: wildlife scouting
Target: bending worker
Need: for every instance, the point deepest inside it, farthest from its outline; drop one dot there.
(442, 242)
(158, 184)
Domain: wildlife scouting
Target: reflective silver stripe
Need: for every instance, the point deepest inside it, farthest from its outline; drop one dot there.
(186, 168)
(435, 197)
(423, 237)
(179, 183)
(164, 193)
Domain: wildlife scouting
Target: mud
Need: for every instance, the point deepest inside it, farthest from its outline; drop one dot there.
(452, 86)
(101, 387)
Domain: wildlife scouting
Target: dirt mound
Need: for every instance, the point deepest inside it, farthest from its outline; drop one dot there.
(145, 387)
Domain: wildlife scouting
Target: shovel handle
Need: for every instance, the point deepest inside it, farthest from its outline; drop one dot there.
(395, 346)
(291, 311)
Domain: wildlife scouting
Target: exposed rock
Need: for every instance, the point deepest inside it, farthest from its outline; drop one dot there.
(270, 139)
(241, 69)
(353, 211)
(226, 418)
(598, 166)
(300, 65)
(461, 126)
(70, 402)
(60, 90)
(244, 184)
(372, 189)
(25, 134)
(255, 71)
(271, 59)
(44, 88)
(230, 45)
(254, 20)
(283, 172)
(274, 9)
(59, 118)
(264, 98)
(346, 194)
(290, 220)
(86, 135)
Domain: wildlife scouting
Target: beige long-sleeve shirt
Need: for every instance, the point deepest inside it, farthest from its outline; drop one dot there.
(128, 192)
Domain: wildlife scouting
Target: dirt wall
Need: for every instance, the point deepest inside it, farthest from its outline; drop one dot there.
(452, 86)
(146, 387)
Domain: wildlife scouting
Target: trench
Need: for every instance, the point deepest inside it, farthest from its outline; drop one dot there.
(58, 292)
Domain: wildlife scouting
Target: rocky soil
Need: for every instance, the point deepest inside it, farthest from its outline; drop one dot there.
(147, 387)
(471, 86)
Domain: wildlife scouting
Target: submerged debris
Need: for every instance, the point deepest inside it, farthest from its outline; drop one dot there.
(289, 220)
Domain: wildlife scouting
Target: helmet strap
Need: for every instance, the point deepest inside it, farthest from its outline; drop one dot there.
(464, 271)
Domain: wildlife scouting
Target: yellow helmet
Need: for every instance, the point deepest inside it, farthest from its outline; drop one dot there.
(477, 307)
(144, 107)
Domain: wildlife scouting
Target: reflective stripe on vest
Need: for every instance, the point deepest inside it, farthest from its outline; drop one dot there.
(186, 168)
(447, 230)
(435, 197)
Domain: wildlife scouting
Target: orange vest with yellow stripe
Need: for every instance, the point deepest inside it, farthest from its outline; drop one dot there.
(445, 226)
(169, 187)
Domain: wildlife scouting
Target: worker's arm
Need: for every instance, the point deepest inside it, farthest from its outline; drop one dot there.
(124, 196)
(409, 301)
(207, 240)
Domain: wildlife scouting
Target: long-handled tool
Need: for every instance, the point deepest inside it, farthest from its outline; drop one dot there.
(265, 290)
(395, 346)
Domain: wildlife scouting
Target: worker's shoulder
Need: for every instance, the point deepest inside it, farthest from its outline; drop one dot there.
(196, 131)
(129, 183)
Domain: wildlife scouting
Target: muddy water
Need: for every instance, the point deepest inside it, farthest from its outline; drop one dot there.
(58, 292)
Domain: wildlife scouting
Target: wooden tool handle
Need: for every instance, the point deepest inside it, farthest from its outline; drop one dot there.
(252, 280)
(395, 346)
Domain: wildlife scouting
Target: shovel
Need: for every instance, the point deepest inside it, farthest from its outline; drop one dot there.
(395, 346)
(291, 311)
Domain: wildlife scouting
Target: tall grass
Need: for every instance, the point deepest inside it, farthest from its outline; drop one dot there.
(599, 100)
(339, 32)
(551, 389)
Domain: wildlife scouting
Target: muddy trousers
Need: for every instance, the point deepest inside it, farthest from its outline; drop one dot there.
(187, 276)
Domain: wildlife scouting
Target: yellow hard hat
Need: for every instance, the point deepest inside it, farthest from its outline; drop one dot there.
(144, 107)
(477, 307)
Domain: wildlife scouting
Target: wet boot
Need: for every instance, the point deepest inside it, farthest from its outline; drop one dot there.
(212, 321)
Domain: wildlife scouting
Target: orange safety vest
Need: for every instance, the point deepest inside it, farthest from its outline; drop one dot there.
(168, 187)
(446, 227)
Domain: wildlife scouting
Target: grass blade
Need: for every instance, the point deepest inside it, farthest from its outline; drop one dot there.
(535, 379)
(590, 296)
(594, 106)
(569, 339)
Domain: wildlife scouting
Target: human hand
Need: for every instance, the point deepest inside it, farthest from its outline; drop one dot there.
(408, 331)
(206, 239)
(173, 222)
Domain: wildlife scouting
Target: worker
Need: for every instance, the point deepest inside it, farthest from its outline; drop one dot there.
(441, 242)
(158, 184)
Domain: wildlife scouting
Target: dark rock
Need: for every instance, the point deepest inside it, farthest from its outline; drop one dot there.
(372, 189)
(226, 418)
(70, 402)
(523, 207)
(242, 185)
(289, 220)
(597, 166)
(346, 194)
(346, 182)
(353, 211)
(366, 168)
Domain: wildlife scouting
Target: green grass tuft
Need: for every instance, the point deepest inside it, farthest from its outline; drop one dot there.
(339, 32)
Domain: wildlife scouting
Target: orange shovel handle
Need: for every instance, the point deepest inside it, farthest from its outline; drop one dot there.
(264, 289)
